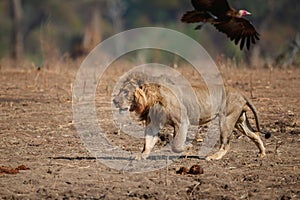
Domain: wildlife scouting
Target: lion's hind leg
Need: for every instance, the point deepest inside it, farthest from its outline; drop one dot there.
(224, 140)
(227, 124)
(243, 125)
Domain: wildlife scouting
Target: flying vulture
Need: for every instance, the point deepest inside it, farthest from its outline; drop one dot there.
(225, 19)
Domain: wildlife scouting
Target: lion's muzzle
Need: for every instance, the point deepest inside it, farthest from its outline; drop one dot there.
(118, 104)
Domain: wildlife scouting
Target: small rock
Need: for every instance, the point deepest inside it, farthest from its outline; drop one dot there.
(196, 169)
(182, 171)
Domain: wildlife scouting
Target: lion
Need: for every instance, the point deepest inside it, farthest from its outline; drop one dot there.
(158, 106)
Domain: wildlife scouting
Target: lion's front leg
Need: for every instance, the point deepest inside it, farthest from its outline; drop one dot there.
(151, 137)
(178, 143)
(157, 121)
(180, 134)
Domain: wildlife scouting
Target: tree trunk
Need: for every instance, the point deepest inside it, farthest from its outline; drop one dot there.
(93, 32)
(18, 30)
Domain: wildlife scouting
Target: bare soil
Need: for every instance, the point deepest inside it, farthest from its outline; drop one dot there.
(37, 131)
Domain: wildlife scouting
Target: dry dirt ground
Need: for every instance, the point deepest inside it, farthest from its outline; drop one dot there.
(37, 131)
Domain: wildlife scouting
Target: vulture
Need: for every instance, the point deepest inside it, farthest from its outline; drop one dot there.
(225, 19)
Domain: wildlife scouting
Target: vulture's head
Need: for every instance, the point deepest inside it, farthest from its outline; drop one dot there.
(244, 13)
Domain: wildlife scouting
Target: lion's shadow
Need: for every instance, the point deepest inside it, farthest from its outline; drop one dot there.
(163, 157)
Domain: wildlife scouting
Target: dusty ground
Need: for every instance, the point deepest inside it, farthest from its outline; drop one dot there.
(36, 130)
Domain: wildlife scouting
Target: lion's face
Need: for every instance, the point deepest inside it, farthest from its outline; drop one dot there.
(124, 98)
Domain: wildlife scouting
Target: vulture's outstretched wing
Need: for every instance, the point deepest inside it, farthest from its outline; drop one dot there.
(239, 30)
(195, 16)
(216, 7)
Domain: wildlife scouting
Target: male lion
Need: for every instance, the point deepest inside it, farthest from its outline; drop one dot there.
(158, 106)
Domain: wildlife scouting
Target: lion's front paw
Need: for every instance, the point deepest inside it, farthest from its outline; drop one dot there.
(141, 156)
(261, 155)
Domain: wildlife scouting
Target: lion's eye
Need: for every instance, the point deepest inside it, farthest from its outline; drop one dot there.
(125, 92)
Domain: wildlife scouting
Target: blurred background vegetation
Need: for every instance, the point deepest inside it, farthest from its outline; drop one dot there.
(38, 30)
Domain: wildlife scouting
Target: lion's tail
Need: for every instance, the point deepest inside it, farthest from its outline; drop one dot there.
(254, 111)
